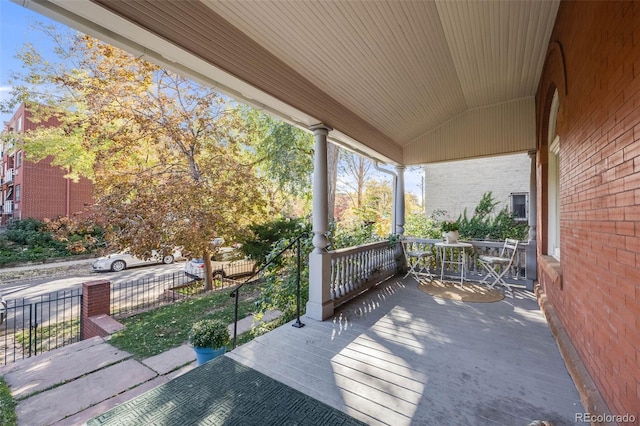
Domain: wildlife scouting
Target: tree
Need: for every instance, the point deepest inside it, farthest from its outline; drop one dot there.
(355, 170)
(165, 153)
(284, 158)
(284, 155)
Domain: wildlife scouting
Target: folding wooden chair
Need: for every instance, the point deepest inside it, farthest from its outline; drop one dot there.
(498, 266)
(418, 254)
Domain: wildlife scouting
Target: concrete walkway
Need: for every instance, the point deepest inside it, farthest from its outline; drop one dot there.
(72, 384)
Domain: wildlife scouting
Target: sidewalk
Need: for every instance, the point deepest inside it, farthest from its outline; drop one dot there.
(72, 384)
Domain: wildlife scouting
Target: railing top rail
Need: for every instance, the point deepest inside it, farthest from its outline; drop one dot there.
(410, 239)
(363, 247)
(477, 243)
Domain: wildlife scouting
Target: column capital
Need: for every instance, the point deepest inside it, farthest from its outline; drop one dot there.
(401, 167)
(320, 128)
(532, 153)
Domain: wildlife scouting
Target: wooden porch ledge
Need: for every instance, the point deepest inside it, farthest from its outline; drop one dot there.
(590, 396)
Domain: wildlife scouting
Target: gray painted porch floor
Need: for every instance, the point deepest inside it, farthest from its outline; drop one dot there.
(399, 356)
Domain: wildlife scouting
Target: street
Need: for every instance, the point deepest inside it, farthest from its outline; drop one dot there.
(41, 296)
(35, 286)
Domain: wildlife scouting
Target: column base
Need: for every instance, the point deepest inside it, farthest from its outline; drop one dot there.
(319, 312)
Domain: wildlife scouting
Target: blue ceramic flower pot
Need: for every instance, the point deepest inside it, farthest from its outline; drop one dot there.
(207, 354)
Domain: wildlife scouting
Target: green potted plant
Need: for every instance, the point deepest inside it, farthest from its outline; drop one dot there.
(209, 339)
(450, 231)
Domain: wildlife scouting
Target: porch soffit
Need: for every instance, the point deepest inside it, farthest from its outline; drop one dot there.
(384, 74)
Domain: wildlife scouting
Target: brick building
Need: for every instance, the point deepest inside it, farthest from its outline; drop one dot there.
(37, 189)
(588, 170)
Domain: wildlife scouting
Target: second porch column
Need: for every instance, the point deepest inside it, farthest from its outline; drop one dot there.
(399, 207)
(320, 305)
(531, 257)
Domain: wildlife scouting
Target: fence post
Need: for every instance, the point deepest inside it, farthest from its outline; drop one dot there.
(96, 300)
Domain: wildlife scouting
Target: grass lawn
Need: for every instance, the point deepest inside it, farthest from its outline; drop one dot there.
(153, 332)
(7, 405)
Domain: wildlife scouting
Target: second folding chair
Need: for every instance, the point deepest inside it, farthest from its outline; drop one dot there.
(497, 267)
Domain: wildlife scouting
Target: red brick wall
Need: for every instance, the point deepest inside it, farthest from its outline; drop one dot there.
(96, 300)
(44, 190)
(594, 61)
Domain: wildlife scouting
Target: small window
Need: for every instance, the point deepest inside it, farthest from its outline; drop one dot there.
(19, 124)
(18, 159)
(519, 206)
(17, 195)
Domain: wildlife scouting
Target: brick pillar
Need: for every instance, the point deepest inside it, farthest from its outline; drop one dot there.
(96, 300)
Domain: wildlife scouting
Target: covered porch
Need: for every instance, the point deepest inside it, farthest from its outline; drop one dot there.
(398, 356)
(410, 83)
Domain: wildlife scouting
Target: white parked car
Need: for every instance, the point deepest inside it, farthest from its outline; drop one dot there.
(117, 262)
(194, 268)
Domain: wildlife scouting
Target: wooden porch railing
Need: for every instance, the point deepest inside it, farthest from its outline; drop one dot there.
(356, 269)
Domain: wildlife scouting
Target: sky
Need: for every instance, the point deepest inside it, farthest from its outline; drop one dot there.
(15, 31)
(15, 23)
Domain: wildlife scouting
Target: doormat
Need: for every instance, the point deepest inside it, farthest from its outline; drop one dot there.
(469, 292)
(223, 392)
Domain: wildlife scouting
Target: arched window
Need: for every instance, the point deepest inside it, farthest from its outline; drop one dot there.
(553, 184)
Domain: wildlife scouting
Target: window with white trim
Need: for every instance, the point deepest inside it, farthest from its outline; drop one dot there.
(553, 183)
(520, 206)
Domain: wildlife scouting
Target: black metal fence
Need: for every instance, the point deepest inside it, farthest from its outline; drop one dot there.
(30, 327)
(133, 296)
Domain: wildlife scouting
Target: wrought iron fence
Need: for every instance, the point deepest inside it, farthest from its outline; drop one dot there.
(30, 327)
(133, 296)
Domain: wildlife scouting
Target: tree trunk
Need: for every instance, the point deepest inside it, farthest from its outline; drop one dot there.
(208, 271)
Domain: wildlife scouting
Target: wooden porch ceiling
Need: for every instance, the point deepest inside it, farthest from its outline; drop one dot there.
(406, 82)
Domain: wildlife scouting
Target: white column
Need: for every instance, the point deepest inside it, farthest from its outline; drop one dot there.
(399, 201)
(320, 305)
(531, 256)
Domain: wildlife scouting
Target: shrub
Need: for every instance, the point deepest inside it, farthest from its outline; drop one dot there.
(351, 234)
(209, 333)
(32, 240)
(422, 226)
(484, 226)
(259, 243)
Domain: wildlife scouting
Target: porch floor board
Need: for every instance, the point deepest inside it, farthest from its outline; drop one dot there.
(398, 356)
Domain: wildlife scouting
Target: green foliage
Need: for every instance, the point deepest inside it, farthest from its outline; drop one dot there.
(29, 232)
(279, 291)
(284, 160)
(422, 226)
(258, 244)
(484, 226)
(209, 333)
(8, 415)
(350, 234)
(32, 240)
(449, 225)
